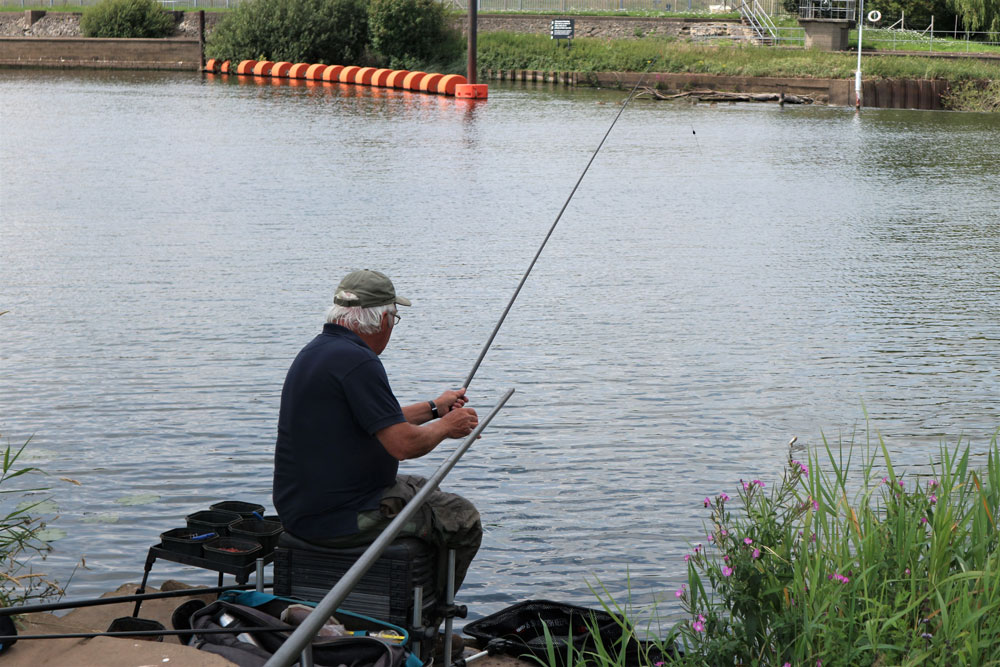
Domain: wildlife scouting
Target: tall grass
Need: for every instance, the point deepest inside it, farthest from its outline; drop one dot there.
(504, 50)
(847, 560)
(19, 535)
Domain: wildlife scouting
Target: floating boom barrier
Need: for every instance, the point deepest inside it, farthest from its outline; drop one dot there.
(454, 85)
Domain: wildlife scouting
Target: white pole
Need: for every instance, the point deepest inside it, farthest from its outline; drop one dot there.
(857, 73)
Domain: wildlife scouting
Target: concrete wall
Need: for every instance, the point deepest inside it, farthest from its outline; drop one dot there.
(174, 54)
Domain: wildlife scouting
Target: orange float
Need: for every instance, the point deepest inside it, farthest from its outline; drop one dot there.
(471, 91)
(281, 69)
(298, 70)
(379, 76)
(413, 79)
(245, 68)
(263, 68)
(224, 67)
(446, 85)
(346, 75)
(395, 78)
(364, 76)
(209, 65)
(429, 83)
(332, 73)
(315, 72)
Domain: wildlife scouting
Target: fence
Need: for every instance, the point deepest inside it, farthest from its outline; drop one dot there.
(931, 41)
(552, 6)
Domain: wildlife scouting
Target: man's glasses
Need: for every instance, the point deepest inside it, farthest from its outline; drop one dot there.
(395, 319)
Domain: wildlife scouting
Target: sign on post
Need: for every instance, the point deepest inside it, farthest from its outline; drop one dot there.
(562, 28)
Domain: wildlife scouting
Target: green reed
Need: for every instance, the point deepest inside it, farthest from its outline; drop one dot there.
(845, 560)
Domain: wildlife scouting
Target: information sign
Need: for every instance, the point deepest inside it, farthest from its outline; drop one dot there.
(562, 28)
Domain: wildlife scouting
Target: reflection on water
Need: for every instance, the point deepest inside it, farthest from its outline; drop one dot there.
(169, 242)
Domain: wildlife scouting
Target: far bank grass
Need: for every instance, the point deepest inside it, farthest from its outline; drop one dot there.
(504, 50)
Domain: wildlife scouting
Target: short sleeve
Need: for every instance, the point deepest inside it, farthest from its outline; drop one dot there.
(371, 399)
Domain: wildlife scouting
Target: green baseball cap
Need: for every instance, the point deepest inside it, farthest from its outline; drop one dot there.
(369, 289)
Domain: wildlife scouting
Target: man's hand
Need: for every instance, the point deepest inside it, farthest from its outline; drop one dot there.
(451, 400)
(460, 422)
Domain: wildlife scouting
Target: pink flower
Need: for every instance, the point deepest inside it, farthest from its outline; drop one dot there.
(923, 519)
(699, 625)
(724, 532)
(680, 591)
(932, 498)
(838, 577)
(756, 553)
(723, 496)
(711, 538)
(687, 557)
(747, 540)
(787, 664)
(907, 570)
(932, 483)
(725, 558)
(707, 501)
(726, 571)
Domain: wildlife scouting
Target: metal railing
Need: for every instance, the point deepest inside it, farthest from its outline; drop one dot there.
(931, 41)
(754, 16)
(840, 10)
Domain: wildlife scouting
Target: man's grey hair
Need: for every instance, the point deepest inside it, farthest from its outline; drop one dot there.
(357, 319)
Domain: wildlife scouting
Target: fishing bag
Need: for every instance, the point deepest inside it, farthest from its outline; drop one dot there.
(252, 649)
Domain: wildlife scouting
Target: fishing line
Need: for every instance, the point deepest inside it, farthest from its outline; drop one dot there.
(517, 291)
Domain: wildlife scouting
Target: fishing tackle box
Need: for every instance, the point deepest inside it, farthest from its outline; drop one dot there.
(307, 571)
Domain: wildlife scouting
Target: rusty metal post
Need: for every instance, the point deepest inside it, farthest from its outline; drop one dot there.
(473, 22)
(201, 38)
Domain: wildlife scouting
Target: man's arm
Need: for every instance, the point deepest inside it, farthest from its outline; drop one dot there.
(409, 441)
(420, 413)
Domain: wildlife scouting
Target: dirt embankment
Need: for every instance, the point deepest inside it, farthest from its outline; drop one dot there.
(67, 24)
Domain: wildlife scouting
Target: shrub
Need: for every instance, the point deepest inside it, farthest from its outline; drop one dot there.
(126, 18)
(906, 573)
(412, 33)
(311, 31)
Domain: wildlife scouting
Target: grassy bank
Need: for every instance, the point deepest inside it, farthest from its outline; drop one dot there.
(499, 50)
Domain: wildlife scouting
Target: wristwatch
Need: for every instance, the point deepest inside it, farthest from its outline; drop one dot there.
(434, 410)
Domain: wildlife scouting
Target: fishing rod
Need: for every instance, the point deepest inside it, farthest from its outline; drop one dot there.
(517, 291)
(4, 639)
(93, 602)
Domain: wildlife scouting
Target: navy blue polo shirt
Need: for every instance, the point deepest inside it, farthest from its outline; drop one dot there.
(328, 464)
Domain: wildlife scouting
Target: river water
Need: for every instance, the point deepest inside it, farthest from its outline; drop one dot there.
(725, 278)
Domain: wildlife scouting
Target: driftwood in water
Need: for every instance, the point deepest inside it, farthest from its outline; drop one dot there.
(723, 96)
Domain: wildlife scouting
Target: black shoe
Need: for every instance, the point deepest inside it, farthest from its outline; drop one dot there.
(457, 649)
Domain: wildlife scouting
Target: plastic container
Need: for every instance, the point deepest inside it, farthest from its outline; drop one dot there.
(245, 510)
(238, 551)
(131, 624)
(214, 520)
(188, 540)
(265, 532)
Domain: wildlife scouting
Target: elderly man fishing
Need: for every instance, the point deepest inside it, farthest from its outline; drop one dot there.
(342, 434)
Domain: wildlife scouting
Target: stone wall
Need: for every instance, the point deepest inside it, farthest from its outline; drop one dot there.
(67, 24)
(609, 27)
(174, 53)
